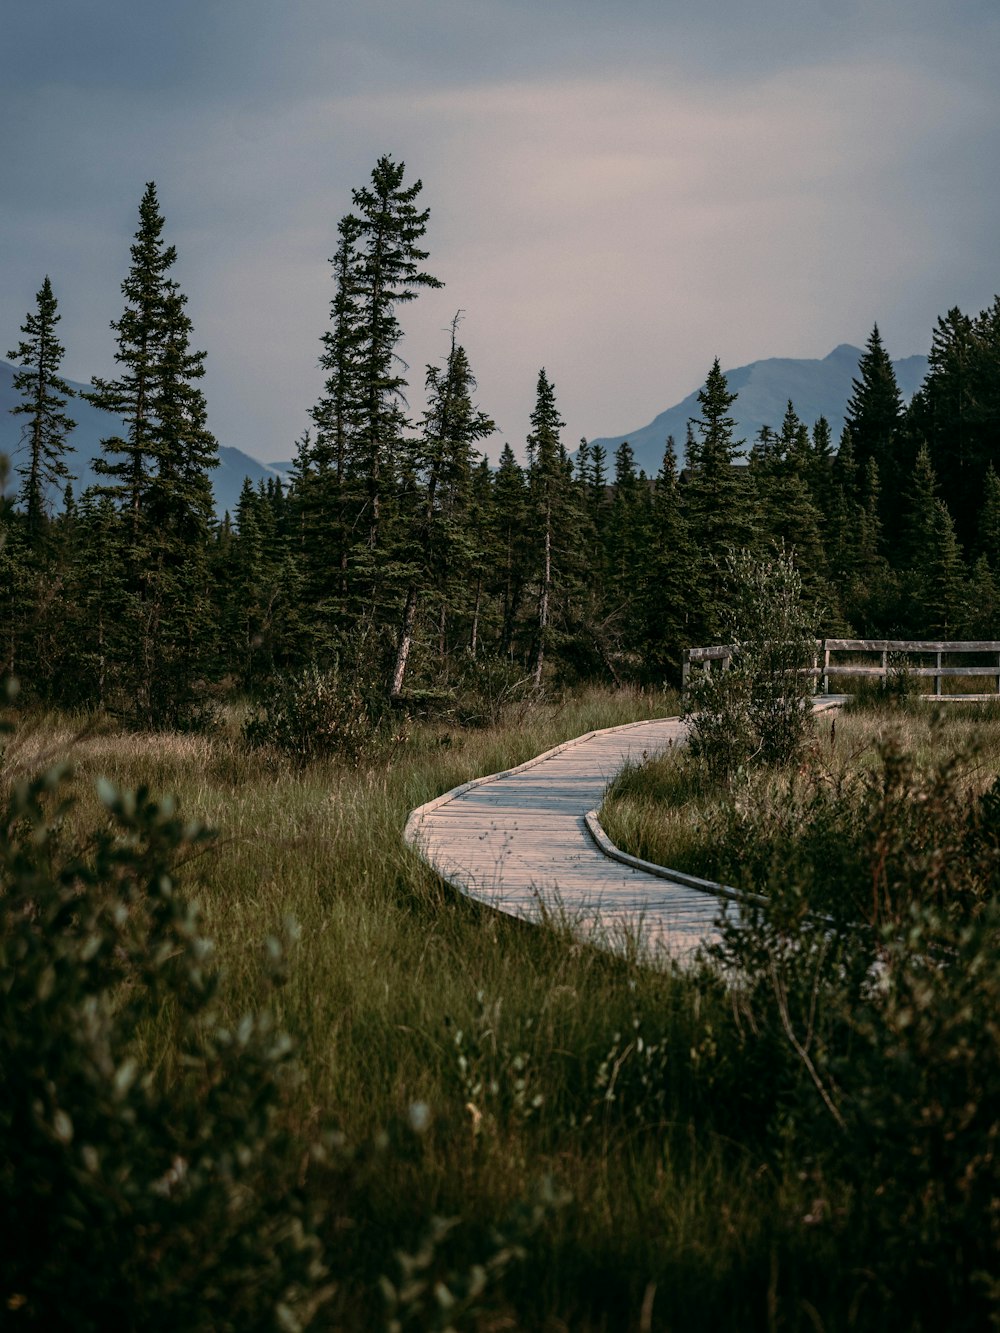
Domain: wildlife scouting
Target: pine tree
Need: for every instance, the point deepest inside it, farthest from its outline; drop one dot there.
(716, 498)
(510, 540)
(47, 427)
(324, 482)
(439, 545)
(948, 413)
(128, 463)
(989, 520)
(874, 414)
(920, 519)
(627, 536)
(942, 579)
(547, 483)
(387, 273)
(983, 602)
(669, 589)
(159, 477)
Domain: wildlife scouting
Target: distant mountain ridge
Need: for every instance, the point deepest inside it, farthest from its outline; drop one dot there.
(817, 389)
(94, 425)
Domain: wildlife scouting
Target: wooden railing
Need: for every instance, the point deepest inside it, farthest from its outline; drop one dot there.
(894, 655)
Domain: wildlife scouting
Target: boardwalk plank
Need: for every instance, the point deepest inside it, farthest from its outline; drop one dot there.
(518, 842)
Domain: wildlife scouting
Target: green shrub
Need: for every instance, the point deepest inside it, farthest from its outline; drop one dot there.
(759, 711)
(141, 1185)
(882, 1019)
(492, 690)
(315, 713)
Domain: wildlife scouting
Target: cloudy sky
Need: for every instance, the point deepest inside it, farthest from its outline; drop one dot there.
(620, 190)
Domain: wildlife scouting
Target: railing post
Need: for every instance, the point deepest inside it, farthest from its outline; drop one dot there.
(937, 677)
(826, 669)
(885, 663)
(686, 670)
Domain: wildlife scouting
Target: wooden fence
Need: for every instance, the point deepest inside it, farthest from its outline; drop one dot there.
(840, 657)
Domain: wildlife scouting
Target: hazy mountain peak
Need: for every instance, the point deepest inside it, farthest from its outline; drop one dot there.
(817, 388)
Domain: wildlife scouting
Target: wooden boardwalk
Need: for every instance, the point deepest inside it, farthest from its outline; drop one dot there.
(519, 841)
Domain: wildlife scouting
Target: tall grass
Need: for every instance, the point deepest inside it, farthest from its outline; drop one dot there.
(604, 1147)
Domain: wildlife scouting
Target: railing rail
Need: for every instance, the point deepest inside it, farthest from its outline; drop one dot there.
(893, 655)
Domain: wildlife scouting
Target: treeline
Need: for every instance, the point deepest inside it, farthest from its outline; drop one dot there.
(398, 552)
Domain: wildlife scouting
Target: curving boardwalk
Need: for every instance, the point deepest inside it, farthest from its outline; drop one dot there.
(519, 841)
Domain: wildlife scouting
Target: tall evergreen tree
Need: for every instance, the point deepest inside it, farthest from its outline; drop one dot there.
(716, 497)
(942, 579)
(920, 519)
(669, 590)
(950, 413)
(159, 476)
(324, 494)
(989, 520)
(547, 483)
(509, 533)
(44, 395)
(439, 542)
(874, 414)
(387, 274)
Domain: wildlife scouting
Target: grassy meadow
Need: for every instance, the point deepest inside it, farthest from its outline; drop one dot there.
(521, 1132)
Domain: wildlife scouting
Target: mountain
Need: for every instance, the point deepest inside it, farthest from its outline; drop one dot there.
(93, 425)
(817, 388)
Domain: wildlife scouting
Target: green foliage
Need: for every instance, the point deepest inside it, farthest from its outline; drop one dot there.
(493, 691)
(135, 1190)
(313, 713)
(758, 711)
(44, 395)
(886, 1009)
(866, 992)
(717, 502)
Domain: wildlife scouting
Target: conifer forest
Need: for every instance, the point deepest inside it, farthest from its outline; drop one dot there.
(399, 552)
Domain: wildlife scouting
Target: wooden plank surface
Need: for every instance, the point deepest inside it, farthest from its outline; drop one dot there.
(518, 841)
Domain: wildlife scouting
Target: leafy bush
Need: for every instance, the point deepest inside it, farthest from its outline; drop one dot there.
(135, 1190)
(492, 690)
(882, 1016)
(758, 711)
(313, 713)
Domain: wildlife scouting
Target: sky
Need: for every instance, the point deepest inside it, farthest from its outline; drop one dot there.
(620, 190)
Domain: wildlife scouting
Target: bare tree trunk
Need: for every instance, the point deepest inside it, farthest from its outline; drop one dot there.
(543, 600)
(405, 642)
(474, 637)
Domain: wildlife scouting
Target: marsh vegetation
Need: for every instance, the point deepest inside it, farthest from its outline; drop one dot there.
(474, 1124)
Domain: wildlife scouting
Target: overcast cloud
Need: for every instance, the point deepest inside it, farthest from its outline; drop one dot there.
(618, 192)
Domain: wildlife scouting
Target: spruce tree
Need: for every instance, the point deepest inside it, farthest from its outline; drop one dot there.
(509, 532)
(989, 520)
(669, 588)
(438, 545)
(44, 395)
(387, 273)
(941, 592)
(547, 486)
(716, 498)
(874, 414)
(920, 519)
(128, 463)
(957, 411)
(158, 477)
(627, 537)
(324, 483)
